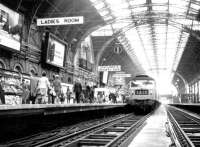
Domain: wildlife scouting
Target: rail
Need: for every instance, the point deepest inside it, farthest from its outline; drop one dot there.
(186, 127)
(110, 135)
(64, 133)
(112, 131)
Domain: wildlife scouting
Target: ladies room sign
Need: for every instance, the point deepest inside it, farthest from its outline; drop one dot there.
(60, 21)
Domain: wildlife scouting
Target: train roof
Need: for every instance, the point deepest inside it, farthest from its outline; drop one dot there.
(142, 77)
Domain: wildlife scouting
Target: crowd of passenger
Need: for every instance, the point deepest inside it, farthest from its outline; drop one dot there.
(41, 90)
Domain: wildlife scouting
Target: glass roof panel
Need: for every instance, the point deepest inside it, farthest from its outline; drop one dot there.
(195, 6)
(119, 6)
(179, 3)
(196, 26)
(178, 6)
(173, 39)
(104, 12)
(108, 18)
(121, 25)
(186, 22)
(103, 31)
(160, 8)
(159, 1)
(176, 10)
(139, 9)
(94, 1)
(100, 5)
(137, 47)
(137, 2)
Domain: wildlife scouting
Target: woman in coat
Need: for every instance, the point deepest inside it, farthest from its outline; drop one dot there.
(42, 89)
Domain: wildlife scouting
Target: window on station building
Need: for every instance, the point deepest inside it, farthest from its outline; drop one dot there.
(86, 51)
(195, 91)
(69, 80)
(192, 89)
(2, 65)
(33, 72)
(199, 90)
(83, 52)
(196, 88)
(18, 68)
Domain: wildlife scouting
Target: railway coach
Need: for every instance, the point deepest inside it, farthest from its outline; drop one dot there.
(142, 93)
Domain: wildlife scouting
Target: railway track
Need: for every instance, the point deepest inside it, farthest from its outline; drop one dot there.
(106, 133)
(112, 135)
(184, 127)
(42, 137)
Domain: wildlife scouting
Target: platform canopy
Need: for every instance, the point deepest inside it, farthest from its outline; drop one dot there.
(153, 32)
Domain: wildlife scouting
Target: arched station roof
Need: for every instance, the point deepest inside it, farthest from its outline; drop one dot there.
(153, 32)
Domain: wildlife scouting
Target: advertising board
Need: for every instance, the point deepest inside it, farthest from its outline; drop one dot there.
(11, 24)
(55, 51)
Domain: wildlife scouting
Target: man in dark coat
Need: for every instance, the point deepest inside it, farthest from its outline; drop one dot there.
(26, 92)
(88, 91)
(57, 87)
(77, 91)
(33, 87)
(2, 96)
(112, 97)
(92, 95)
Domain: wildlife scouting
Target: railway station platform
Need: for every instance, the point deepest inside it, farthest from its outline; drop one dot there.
(23, 120)
(51, 109)
(153, 134)
(192, 107)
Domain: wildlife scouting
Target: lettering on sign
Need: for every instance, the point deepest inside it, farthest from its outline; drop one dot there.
(121, 75)
(60, 21)
(110, 68)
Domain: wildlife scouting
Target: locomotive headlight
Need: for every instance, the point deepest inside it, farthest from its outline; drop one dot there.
(150, 92)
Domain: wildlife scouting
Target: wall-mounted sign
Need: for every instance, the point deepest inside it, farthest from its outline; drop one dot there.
(60, 21)
(10, 28)
(9, 42)
(119, 81)
(55, 51)
(121, 75)
(110, 68)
